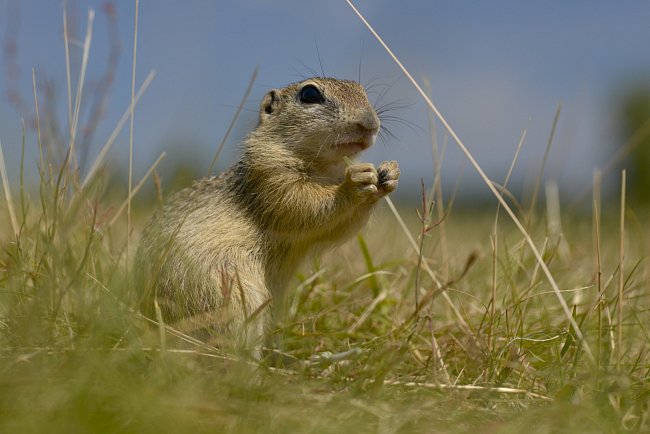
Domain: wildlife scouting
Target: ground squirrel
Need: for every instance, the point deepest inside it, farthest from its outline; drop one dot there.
(223, 247)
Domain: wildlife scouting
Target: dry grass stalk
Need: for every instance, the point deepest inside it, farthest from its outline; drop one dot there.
(495, 239)
(38, 123)
(621, 274)
(7, 189)
(438, 158)
(470, 387)
(542, 166)
(128, 203)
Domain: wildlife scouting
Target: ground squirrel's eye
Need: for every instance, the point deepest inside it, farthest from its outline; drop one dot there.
(311, 95)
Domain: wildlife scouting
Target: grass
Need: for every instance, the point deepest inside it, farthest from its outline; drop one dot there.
(349, 353)
(441, 320)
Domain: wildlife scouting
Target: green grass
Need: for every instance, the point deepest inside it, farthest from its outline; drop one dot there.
(349, 354)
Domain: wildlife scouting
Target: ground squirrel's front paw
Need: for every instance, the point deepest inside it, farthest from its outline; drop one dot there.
(387, 174)
(362, 179)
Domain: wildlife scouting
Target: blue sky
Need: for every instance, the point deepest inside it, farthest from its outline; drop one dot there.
(495, 68)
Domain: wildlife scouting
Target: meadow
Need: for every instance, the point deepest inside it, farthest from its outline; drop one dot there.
(437, 318)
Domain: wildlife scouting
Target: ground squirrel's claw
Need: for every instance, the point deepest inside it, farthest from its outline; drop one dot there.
(363, 179)
(388, 174)
(366, 181)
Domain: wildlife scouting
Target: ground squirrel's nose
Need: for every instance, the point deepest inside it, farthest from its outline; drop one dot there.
(369, 121)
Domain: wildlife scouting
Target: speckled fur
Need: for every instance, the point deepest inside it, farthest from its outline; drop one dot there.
(228, 244)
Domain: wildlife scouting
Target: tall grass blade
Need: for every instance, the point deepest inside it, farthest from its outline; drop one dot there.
(495, 237)
(597, 261)
(38, 123)
(621, 275)
(438, 158)
(128, 203)
(542, 166)
(67, 62)
(80, 86)
(7, 189)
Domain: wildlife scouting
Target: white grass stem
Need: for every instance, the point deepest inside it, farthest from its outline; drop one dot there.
(598, 271)
(554, 218)
(161, 327)
(470, 387)
(128, 203)
(293, 309)
(495, 237)
(479, 170)
(438, 158)
(38, 122)
(596, 199)
(533, 279)
(366, 313)
(437, 354)
(612, 338)
(7, 189)
(67, 62)
(80, 85)
(621, 275)
(542, 167)
(597, 182)
(116, 131)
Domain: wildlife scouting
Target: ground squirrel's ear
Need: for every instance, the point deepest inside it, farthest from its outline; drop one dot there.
(270, 104)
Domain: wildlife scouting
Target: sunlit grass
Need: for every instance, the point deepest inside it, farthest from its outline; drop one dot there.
(348, 353)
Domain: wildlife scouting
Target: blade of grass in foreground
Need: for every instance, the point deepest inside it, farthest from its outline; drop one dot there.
(487, 181)
(74, 123)
(5, 184)
(621, 275)
(128, 203)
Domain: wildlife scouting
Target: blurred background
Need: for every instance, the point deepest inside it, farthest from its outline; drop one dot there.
(495, 69)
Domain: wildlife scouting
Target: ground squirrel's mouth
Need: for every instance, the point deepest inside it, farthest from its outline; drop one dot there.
(353, 147)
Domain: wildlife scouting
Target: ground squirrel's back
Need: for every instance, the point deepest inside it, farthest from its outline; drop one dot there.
(219, 250)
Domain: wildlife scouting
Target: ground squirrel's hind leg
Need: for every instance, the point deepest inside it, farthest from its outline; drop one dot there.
(387, 174)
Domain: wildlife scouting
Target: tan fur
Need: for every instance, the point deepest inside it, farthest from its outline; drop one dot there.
(227, 244)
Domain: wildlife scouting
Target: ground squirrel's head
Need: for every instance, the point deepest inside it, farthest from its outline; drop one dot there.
(323, 119)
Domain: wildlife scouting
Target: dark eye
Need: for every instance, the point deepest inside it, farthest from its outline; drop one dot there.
(311, 95)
